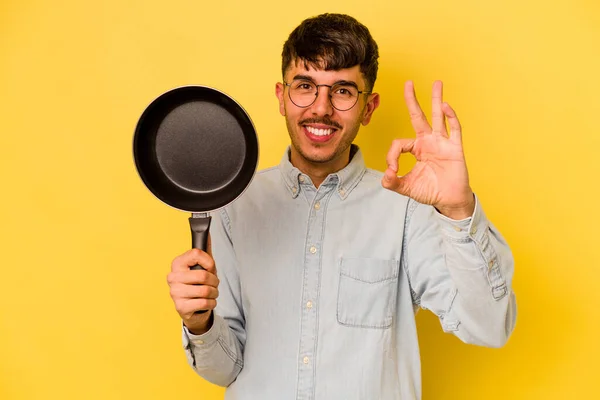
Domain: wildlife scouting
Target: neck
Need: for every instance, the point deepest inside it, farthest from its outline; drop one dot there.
(318, 171)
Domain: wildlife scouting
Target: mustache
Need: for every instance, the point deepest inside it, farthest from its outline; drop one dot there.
(324, 121)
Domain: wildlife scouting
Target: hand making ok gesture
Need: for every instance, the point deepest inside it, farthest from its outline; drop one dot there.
(439, 177)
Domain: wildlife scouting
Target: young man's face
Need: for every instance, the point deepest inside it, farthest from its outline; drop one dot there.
(321, 135)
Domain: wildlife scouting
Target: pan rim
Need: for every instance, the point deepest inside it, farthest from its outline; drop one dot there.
(244, 111)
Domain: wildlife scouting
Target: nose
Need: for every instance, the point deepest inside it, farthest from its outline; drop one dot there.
(322, 105)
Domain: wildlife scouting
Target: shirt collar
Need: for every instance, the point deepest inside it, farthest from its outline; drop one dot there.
(345, 180)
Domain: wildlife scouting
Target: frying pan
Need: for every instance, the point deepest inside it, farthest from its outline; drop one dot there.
(195, 148)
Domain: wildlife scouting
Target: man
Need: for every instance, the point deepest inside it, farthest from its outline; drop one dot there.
(323, 263)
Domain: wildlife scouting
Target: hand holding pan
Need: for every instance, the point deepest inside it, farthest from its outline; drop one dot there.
(195, 149)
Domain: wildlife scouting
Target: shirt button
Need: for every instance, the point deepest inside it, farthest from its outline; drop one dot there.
(313, 249)
(457, 228)
(198, 341)
(301, 179)
(309, 304)
(317, 205)
(342, 192)
(473, 230)
(491, 264)
(294, 190)
(305, 360)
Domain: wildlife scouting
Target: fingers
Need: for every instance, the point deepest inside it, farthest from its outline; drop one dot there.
(453, 123)
(438, 122)
(181, 291)
(417, 117)
(196, 277)
(390, 179)
(194, 257)
(189, 298)
(398, 147)
(187, 307)
(192, 290)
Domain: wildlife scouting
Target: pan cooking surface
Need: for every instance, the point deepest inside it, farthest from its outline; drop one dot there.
(195, 148)
(188, 153)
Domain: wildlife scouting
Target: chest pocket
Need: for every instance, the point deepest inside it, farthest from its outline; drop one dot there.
(367, 292)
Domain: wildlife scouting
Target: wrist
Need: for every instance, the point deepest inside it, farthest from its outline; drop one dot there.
(202, 325)
(460, 211)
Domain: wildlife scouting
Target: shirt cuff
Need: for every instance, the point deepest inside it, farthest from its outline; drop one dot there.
(206, 339)
(465, 229)
(475, 229)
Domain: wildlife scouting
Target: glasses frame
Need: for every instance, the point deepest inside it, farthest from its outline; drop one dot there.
(360, 92)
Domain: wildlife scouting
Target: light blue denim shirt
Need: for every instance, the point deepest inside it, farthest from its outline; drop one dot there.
(319, 288)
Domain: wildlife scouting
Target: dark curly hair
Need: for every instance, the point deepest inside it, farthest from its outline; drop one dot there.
(332, 42)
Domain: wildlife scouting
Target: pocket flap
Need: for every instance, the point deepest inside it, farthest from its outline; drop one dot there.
(369, 270)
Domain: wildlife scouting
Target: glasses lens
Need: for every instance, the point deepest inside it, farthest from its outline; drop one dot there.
(303, 93)
(344, 97)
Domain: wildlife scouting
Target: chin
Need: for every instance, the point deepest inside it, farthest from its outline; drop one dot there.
(317, 156)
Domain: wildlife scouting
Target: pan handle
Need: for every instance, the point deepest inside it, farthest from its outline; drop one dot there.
(199, 224)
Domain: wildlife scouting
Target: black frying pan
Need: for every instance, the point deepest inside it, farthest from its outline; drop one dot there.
(196, 149)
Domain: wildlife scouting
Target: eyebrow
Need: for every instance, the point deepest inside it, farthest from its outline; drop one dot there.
(351, 83)
(341, 82)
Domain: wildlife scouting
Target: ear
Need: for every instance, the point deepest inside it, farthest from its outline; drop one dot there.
(372, 104)
(279, 88)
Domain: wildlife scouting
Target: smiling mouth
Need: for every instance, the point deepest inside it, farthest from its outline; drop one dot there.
(319, 132)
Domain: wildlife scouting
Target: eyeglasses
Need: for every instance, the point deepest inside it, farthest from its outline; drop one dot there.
(343, 95)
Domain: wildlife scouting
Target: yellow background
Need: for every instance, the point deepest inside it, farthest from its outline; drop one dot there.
(85, 248)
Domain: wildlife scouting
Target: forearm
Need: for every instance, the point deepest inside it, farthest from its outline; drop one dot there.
(480, 265)
(462, 271)
(215, 355)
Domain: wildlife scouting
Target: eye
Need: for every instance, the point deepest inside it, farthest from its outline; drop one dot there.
(344, 91)
(303, 86)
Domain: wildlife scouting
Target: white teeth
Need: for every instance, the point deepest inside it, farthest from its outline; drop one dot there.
(319, 132)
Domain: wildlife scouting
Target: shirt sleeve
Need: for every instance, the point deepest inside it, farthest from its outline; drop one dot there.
(462, 271)
(217, 355)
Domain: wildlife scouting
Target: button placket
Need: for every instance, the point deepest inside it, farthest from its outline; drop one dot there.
(310, 292)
